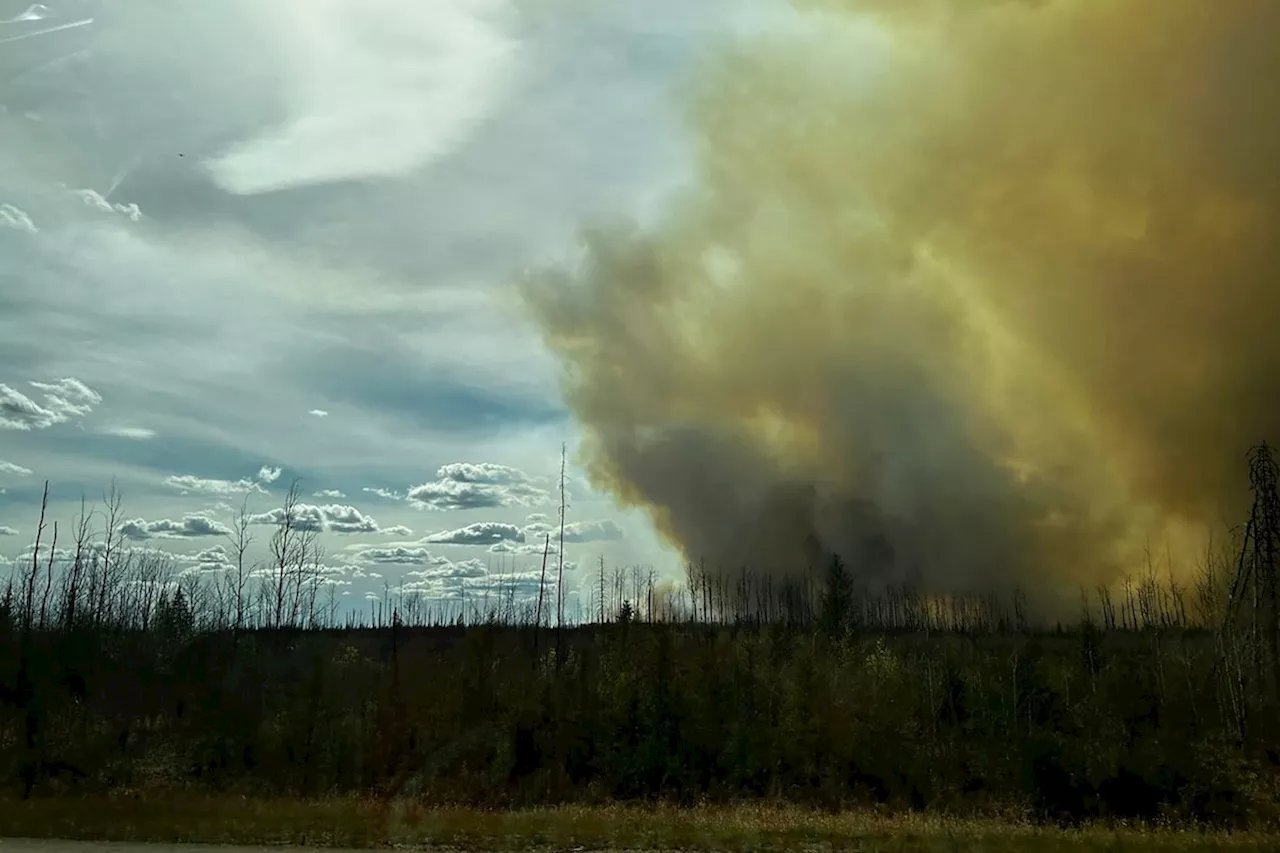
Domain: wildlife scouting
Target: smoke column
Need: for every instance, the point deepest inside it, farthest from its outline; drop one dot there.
(985, 293)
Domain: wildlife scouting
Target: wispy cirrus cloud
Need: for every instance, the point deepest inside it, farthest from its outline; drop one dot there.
(96, 201)
(383, 493)
(16, 218)
(191, 484)
(13, 469)
(60, 402)
(133, 433)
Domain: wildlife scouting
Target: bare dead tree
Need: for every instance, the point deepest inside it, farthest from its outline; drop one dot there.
(542, 586)
(602, 589)
(83, 534)
(48, 580)
(29, 591)
(113, 503)
(284, 548)
(560, 581)
(240, 538)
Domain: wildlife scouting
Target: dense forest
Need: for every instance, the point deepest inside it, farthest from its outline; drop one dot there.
(1160, 702)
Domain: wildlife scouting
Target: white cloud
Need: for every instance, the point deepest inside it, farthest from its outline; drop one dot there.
(397, 555)
(535, 548)
(328, 493)
(384, 493)
(483, 485)
(16, 218)
(336, 518)
(129, 432)
(348, 519)
(7, 531)
(268, 475)
(189, 483)
(397, 530)
(306, 517)
(63, 400)
(376, 88)
(319, 413)
(14, 469)
(480, 533)
(604, 530)
(190, 527)
(95, 200)
(537, 529)
(448, 570)
(214, 559)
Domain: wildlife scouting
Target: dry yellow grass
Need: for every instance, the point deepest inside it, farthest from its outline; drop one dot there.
(731, 829)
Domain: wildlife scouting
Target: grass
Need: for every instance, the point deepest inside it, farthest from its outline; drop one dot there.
(730, 829)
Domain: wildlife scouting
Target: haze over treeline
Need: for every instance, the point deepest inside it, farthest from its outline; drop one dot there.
(983, 291)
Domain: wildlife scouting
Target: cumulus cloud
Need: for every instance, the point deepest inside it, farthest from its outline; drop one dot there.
(7, 531)
(483, 485)
(348, 519)
(335, 518)
(213, 559)
(16, 218)
(480, 533)
(191, 526)
(538, 529)
(189, 483)
(14, 469)
(375, 88)
(448, 571)
(61, 401)
(268, 475)
(319, 413)
(397, 530)
(525, 548)
(397, 555)
(306, 517)
(328, 493)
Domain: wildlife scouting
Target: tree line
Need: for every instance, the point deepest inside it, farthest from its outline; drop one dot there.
(1161, 701)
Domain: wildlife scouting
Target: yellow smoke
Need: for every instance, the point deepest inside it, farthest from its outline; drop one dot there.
(983, 291)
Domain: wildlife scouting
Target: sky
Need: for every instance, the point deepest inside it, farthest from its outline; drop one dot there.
(244, 243)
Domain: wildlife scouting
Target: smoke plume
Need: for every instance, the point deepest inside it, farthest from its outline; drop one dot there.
(983, 293)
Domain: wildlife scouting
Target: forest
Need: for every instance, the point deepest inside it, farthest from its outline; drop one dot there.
(1160, 702)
